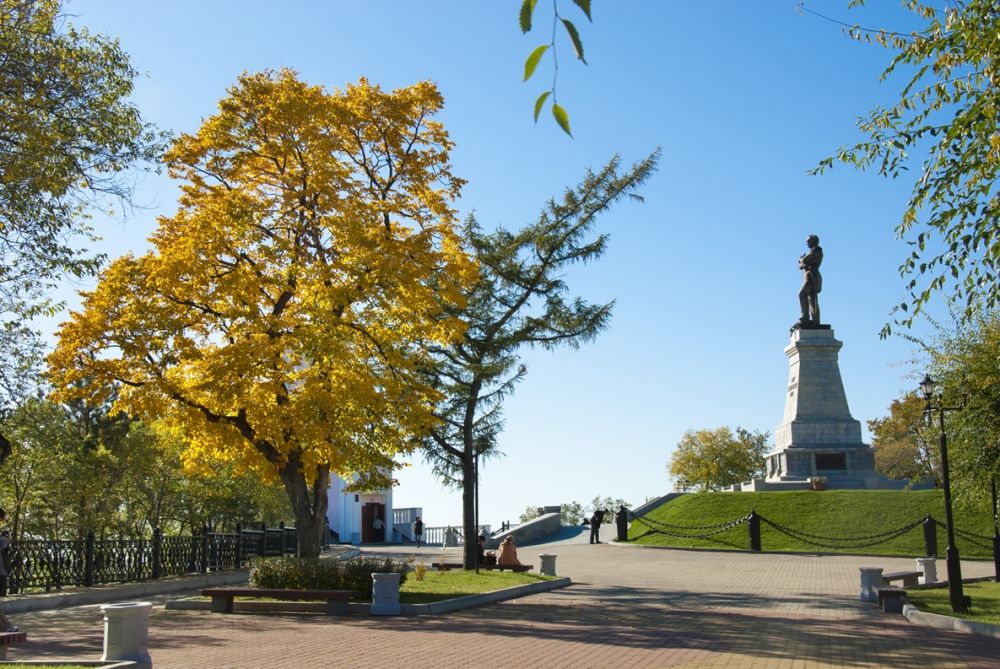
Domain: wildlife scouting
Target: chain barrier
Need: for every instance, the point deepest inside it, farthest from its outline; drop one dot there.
(839, 543)
(657, 526)
(978, 540)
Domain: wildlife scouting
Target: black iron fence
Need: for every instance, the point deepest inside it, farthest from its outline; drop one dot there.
(41, 565)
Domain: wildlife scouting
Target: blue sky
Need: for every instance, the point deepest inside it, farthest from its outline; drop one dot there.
(743, 96)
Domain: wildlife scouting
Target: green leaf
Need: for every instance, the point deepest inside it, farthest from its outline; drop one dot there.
(539, 102)
(585, 6)
(562, 118)
(575, 37)
(527, 8)
(532, 62)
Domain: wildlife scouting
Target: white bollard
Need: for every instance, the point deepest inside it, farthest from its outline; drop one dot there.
(548, 567)
(928, 566)
(870, 578)
(385, 595)
(126, 633)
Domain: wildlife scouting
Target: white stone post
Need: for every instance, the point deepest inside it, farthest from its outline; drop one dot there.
(928, 566)
(126, 633)
(385, 595)
(548, 567)
(870, 578)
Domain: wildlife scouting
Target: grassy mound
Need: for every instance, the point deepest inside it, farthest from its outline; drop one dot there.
(832, 513)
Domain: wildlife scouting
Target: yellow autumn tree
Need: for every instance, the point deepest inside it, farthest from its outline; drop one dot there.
(285, 309)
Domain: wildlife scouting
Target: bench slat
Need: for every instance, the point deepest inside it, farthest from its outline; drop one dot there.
(222, 598)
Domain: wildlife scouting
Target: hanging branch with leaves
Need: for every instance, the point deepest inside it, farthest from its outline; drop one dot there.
(535, 57)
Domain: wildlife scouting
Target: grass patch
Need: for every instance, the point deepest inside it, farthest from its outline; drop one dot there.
(985, 601)
(438, 585)
(831, 513)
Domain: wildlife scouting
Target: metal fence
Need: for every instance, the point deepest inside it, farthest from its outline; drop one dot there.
(34, 565)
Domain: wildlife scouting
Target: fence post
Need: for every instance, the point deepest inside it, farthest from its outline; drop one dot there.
(204, 548)
(239, 545)
(281, 529)
(88, 561)
(930, 536)
(753, 526)
(157, 552)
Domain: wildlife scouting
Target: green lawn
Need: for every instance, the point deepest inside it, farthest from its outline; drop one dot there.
(985, 601)
(438, 585)
(831, 513)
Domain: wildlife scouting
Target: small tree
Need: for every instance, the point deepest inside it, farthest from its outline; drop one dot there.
(520, 300)
(710, 459)
(906, 447)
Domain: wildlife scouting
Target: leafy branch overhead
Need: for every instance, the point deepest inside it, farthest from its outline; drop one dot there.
(947, 112)
(531, 64)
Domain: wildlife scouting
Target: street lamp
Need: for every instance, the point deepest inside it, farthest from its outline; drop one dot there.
(958, 605)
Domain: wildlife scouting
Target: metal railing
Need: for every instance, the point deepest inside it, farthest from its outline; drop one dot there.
(35, 564)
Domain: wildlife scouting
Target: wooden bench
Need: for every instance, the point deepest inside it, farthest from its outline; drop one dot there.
(445, 566)
(890, 598)
(10, 639)
(907, 577)
(222, 598)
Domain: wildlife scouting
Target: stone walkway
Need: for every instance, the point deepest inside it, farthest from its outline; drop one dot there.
(629, 607)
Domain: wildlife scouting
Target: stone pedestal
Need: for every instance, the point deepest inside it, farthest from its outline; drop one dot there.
(126, 633)
(818, 436)
(385, 595)
(870, 578)
(548, 564)
(928, 566)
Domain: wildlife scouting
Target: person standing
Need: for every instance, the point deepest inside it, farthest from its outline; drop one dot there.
(595, 525)
(418, 530)
(379, 528)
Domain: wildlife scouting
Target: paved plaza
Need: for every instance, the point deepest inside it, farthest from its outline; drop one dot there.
(628, 607)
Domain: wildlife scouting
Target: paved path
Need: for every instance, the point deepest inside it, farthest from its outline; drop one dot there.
(630, 607)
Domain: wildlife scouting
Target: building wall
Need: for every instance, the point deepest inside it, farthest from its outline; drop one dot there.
(344, 510)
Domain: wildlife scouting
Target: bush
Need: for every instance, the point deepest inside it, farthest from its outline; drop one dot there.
(322, 574)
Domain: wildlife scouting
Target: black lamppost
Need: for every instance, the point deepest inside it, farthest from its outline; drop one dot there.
(955, 594)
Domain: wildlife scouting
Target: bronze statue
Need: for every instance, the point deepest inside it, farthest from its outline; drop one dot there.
(812, 283)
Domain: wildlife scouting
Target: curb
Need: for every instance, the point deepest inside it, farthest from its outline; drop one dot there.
(364, 608)
(102, 594)
(942, 622)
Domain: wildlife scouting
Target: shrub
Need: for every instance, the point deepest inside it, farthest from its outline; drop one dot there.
(419, 571)
(322, 574)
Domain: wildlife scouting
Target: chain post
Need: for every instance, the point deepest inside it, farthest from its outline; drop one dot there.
(754, 529)
(930, 536)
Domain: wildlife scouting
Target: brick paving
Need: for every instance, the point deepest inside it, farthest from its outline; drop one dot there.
(629, 607)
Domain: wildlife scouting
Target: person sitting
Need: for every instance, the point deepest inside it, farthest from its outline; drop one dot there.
(508, 553)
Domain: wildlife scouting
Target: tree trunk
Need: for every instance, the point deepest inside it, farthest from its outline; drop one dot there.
(469, 529)
(309, 504)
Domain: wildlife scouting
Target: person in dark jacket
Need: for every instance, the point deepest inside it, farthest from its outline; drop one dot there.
(418, 530)
(595, 526)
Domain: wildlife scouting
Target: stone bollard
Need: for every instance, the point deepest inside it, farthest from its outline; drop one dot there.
(871, 577)
(928, 566)
(126, 633)
(548, 567)
(385, 595)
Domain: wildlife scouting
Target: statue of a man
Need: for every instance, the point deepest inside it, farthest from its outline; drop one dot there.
(812, 283)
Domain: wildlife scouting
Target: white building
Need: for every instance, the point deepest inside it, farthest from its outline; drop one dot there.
(352, 515)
